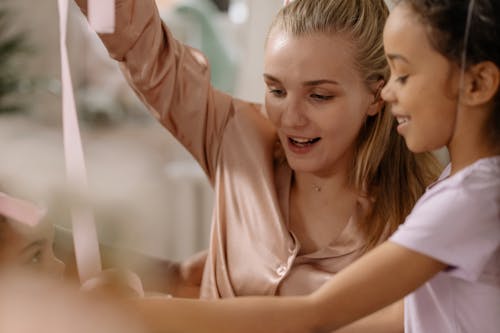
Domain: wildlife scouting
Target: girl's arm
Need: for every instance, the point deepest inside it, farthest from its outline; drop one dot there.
(388, 320)
(378, 279)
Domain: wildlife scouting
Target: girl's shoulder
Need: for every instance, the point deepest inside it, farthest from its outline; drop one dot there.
(481, 175)
(471, 194)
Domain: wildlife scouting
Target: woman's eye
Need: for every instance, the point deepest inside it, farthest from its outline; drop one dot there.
(320, 97)
(277, 92)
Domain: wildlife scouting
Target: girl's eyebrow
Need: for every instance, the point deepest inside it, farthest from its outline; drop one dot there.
(395, 56)
(37, 243)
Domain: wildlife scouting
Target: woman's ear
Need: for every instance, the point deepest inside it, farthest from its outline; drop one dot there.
(482, 83)
(378, 103)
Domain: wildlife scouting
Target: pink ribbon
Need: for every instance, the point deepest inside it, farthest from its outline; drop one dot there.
(88, 258)
(101, 15)
(21, 211)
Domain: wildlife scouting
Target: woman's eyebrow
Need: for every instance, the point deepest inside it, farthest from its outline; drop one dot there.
(319, 82)
(270, 78)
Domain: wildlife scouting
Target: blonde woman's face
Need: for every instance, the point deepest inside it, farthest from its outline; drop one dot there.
(29, 247)
(316, 98)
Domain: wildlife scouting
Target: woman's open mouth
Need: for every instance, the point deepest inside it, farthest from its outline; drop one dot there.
(302, 145)
(302, 142)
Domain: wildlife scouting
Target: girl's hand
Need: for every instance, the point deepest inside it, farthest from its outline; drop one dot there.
(115, 282)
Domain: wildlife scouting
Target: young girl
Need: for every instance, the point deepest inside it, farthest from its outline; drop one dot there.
(26, 239)
(444, 88)
(33, 297)
(306, 186)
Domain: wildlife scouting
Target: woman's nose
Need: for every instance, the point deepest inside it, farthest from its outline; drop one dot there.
(293, 115)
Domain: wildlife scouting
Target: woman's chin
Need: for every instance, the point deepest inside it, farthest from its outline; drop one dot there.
(304, 166)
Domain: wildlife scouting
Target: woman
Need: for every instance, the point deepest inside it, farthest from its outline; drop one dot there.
(305, 184)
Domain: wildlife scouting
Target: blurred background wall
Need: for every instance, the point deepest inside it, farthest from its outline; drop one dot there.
(148, 193)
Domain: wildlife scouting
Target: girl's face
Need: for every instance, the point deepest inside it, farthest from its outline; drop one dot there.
(29, 247)
(316, 98)
(423, 87)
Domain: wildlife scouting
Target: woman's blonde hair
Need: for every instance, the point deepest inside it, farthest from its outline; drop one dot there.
(383, 167)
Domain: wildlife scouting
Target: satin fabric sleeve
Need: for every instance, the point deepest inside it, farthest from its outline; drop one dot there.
(172, 79)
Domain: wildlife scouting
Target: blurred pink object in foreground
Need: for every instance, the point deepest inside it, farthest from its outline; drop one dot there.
(21, 211)
(37, 303)
(101, 14)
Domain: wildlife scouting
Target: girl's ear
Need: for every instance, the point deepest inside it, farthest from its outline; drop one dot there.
(378, 103)
(482, 83)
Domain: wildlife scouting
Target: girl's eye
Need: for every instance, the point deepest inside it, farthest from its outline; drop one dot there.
(321, 97)
(36, 258)
(402, 79)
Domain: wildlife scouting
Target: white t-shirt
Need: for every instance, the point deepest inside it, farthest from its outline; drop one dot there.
(457, 221)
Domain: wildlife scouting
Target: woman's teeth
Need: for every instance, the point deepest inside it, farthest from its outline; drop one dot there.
(402, 120)
(303, 142)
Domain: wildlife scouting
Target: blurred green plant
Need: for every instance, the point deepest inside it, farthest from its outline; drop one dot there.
(13, 45)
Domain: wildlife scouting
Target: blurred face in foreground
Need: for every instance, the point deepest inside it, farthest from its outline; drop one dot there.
(29, 247)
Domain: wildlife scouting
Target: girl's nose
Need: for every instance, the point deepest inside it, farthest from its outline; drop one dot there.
(386, 93)
(57, 267)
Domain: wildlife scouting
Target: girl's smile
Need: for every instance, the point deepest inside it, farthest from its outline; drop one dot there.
(420, 90)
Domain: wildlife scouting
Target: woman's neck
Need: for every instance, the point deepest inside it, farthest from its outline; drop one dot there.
(320, 208)
(310, 185)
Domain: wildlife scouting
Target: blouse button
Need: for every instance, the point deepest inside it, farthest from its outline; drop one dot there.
(281, 270)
